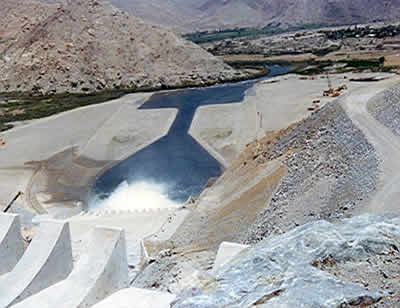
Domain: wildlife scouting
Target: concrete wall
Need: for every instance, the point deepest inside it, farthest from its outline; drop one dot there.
(47, 260)
(11, 242)
(98, 274)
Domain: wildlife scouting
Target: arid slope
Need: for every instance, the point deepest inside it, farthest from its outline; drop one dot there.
(187, 16)
(82, 46)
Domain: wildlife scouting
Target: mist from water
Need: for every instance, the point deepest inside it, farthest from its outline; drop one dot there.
(135, 196)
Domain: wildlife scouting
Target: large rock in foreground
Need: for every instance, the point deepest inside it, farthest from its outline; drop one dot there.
(292, 270)
(86, 46)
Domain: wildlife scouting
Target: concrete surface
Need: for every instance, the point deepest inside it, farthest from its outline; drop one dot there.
(136, 225)
(99, 134)
(138, 298)
(11, 242)
(226, 252)
(271, 105)
(98, 273)
(47, 260)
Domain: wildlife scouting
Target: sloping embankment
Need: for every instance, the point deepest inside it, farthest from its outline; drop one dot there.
(385, 108)
(332, 168)
(321, 168)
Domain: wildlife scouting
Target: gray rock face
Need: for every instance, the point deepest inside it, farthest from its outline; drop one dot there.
(283, 271)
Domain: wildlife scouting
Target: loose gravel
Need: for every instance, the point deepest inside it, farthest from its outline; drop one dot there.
(385, 108)
(332, 168)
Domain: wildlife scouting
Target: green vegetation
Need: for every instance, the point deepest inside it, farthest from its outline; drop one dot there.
(260, 66)
(212, 36)
(21, 108)
(362, 31)
(4, 127)
(362, 63)
(315, 67)
(319, 67)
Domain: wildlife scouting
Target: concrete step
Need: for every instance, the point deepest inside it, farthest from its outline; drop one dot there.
(138, 298)
(11, 242)
(102, 213)
(100, 272)
(226, 252)
(47, 260)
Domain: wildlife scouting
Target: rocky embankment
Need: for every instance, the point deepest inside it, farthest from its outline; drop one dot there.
(311, 266)
(385, 108)
(332, 168)
(87, 46)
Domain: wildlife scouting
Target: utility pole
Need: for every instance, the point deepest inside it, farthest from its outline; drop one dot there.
(260, 124)
(329, 81)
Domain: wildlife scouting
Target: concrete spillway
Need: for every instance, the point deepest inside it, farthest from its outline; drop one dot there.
(177, 160)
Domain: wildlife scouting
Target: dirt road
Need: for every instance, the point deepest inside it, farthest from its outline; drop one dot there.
(385, 142)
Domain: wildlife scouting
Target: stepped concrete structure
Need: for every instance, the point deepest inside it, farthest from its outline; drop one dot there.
(99, 273)
(11, 242)
(137, 225)
(142, 299)
(226, 252)
(47, 275)
(47, 260)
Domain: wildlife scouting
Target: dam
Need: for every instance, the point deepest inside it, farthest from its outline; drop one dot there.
(177, 161)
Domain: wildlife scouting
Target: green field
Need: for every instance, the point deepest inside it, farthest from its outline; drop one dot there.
(21, 108)
(212, 36)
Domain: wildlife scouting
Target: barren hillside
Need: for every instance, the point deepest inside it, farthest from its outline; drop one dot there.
(85, 46)
(187, 16)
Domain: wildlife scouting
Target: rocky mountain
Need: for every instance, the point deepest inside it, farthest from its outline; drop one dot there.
(189, 15)
(85, 46)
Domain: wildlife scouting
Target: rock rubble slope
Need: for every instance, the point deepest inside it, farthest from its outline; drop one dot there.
(332, 168)
(385, 108)
(86, 46)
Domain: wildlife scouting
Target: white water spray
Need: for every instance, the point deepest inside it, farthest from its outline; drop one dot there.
(135, 196)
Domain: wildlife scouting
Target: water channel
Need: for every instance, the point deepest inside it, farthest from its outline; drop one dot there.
(177, 161)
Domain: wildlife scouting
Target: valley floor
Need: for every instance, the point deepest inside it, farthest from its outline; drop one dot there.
(284, 130)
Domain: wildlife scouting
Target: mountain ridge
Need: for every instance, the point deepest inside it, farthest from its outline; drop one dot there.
(189, 16)
(88, 46)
